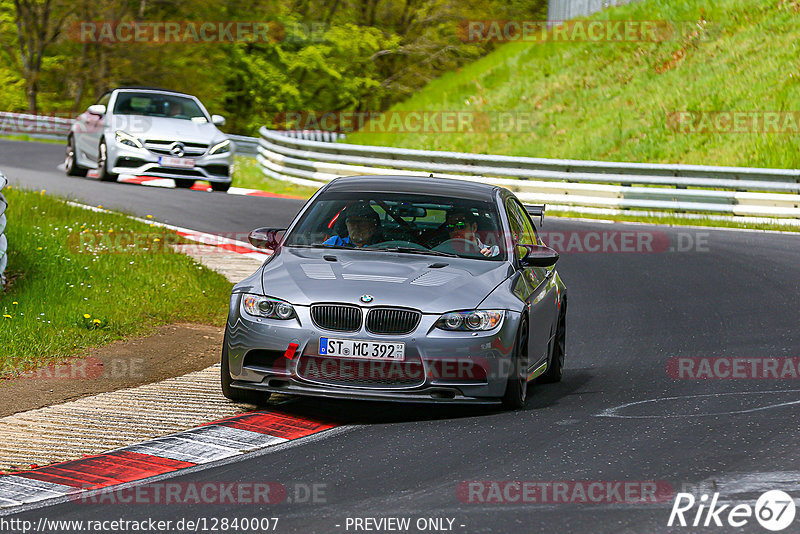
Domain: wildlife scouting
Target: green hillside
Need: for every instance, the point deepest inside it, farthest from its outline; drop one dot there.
(613, 100)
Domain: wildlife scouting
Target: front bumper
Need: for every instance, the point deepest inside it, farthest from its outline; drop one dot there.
(440, 366)
(142, 162)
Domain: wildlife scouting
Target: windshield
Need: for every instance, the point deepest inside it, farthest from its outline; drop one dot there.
(412, 224)
(158, 105)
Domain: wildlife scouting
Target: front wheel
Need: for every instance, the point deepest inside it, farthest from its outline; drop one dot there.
(102, 165)
(517, 387)
(246, 396)
(222, 187)
(70, 164)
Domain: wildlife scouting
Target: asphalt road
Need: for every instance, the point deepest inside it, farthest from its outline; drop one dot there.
(730, 294)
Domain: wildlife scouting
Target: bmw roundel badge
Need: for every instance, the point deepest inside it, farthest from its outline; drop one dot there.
(366, 298)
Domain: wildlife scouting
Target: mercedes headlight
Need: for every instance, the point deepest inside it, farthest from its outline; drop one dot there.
(127, 139)
(221, 148)
(268, 307)
(471, 321)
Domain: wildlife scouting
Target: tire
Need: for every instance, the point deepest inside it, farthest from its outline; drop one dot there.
(517, 387)
(245, 396)
(221, 187)
(555, 368)
(184, 184)
(70, 164)
(102, 164)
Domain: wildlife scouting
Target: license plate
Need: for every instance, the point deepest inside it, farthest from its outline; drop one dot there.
(181, 163)
(365, 350)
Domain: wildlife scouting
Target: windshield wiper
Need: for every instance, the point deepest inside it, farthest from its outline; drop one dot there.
(412, 250)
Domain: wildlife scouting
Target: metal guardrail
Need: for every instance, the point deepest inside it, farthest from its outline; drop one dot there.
(561, 10)
(249, 145)
(37, 126)
(3, 240)
(244, 144)
(567, 183)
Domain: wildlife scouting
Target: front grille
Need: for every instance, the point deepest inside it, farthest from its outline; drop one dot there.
(392, 321)
(361, 373)
(159, 146)
(338, 317)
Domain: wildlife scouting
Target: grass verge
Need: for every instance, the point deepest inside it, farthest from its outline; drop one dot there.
(247, 173)
(25, 137)
(612, 100)
(677, 220)
(77, 279)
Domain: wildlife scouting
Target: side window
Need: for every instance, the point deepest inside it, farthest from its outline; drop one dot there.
(104, 99)
(521, 226)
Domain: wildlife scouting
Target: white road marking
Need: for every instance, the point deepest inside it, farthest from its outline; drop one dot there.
(614, 412)
(15, 490)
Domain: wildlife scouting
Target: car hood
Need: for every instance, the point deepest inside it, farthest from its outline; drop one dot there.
(427, 283)
(167, 129)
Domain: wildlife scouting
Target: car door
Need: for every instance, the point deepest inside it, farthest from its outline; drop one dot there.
(536, 285)
(92, 126)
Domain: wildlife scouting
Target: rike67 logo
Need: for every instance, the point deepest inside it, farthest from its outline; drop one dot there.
(774, 510)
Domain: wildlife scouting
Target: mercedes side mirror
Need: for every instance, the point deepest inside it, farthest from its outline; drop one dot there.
(97, 109)
(266, 238)
(218, 120)
(538, 256)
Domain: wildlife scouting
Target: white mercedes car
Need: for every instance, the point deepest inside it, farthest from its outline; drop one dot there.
(150, 132)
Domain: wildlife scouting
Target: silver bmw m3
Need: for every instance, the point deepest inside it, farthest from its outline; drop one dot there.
(399, 288)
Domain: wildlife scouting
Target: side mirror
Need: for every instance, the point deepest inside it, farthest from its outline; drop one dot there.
(219, 120)
(539, 256)
(266, 238)
(97, 109)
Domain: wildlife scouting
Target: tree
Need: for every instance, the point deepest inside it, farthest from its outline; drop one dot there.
(38, 24)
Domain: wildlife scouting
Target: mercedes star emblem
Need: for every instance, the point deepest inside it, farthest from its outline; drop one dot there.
(177, 149)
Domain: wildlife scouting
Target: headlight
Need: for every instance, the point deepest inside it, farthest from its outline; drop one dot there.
(127, 139)
(221, 148)
(470, 320)
(268, 307)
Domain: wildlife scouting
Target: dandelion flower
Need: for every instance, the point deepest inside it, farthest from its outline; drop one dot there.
(86, 316)
(7, 316)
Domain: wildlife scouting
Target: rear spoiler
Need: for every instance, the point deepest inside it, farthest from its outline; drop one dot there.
(536, 210)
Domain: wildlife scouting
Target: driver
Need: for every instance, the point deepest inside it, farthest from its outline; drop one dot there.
(362, 227)
(175, 109)
(461, 223)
